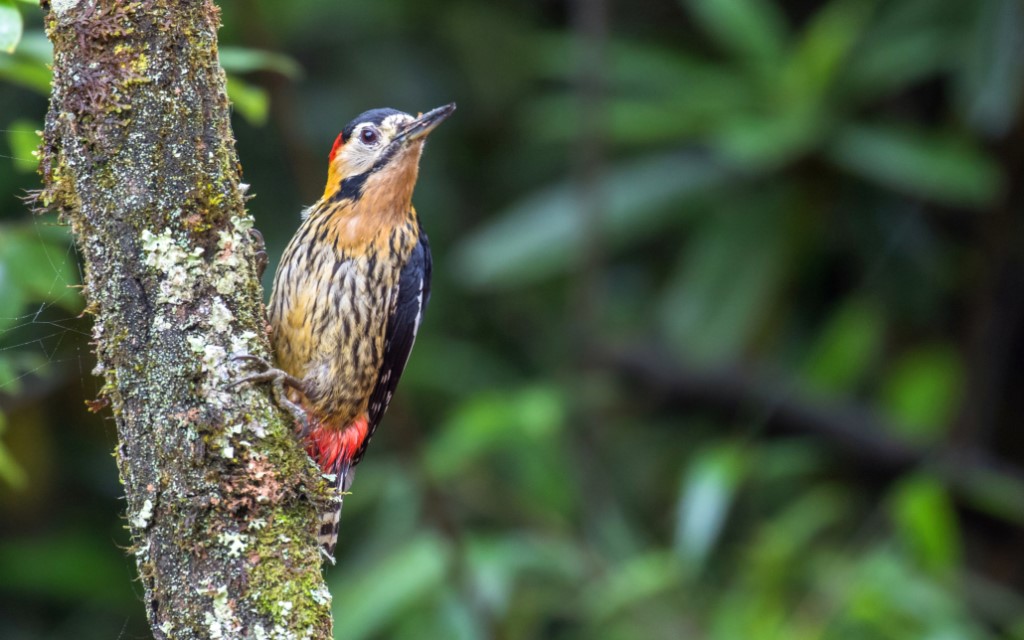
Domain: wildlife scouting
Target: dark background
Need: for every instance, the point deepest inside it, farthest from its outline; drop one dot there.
(726, 335)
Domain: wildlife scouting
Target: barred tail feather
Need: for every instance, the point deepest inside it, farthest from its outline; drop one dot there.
(328, 536)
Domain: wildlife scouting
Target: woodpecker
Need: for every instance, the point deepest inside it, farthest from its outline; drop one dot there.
(350, 292)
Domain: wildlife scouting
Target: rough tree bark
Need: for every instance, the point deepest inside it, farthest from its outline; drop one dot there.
(139, 157)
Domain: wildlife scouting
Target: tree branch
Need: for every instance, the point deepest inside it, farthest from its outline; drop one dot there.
(139, 157)
(856, 432)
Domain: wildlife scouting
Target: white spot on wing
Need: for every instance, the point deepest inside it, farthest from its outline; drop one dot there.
(419, 311)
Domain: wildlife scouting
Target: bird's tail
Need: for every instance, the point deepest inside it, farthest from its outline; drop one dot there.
(335, 450)
(328, 536)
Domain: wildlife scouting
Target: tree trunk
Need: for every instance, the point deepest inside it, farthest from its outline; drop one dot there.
(139, 157)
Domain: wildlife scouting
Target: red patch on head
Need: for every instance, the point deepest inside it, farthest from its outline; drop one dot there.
(337, 145)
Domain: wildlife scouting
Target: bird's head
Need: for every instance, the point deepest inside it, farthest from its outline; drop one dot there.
(375, 158)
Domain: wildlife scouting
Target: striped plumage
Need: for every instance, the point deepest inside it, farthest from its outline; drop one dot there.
(351, 288)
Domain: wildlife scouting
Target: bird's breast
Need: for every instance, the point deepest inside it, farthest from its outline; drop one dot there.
(329, 313)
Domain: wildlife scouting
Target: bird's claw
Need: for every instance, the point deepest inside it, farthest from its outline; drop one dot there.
(260, 258)
(328, 557)
(278, 379)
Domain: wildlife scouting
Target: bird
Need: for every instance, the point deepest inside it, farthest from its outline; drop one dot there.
(349, 295)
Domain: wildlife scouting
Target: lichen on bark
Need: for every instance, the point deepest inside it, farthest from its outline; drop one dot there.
(138, 157)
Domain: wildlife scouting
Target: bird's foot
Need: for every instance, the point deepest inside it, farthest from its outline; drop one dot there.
(278, 379)
(260, 258)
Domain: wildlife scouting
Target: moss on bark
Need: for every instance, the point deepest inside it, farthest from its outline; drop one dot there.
(139, 158)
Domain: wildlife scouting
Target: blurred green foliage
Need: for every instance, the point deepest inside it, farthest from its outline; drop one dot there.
(807, 217)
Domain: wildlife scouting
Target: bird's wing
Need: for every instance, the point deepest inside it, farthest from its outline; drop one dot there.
(413, 296)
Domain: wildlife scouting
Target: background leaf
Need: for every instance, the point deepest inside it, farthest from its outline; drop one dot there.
(922, 391)
(708, 491)
(941, 167)
(927, 523)
(848, 345)
(10, 26)
(722, 289)
(10, 471)
(365, 604)
(989, 79)
(752, 29)
(24, 141)
(541, 234)
(244, 60)
(250, 101)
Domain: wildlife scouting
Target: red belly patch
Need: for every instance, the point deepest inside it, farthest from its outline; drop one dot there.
(333, 447)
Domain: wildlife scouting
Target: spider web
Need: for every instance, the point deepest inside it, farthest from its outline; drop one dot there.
(46, 340)
(49, 341)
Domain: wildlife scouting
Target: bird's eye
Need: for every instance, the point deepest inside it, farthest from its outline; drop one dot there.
(368, 136)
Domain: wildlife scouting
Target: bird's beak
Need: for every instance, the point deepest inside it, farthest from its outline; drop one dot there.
(423, 125)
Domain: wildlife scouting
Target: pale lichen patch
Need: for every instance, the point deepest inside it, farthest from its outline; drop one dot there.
(60, 7)
(230, 265)
(235, 542)
(220, 316)
(175, 264)
(257, 523)
(244, 342)
(141, 519)
(162, 323)
(320, 595)
(221, 623)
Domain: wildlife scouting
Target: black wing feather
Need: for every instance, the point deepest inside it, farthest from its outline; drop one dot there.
(413, 296)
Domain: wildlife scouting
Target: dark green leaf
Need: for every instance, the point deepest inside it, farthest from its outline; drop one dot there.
(657, 95)
(927, 522)
(489, 421)
(823, 49)
(251, 101)
(543, 233)
(631, 583)
(498, 564)
(243, 60)
(846, 347)
(43, 270)
(767, 141)
(725, 282)
(368, 602)
(24, 141)
(789, 534)
(752, 29)
(630, 122)
(945, 168)
(888, 63)
(10, 471)
(74, 567)
(27, 73)
(922, 392)
(997, 493)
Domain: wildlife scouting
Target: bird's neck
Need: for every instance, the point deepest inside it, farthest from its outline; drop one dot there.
(355, 223)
